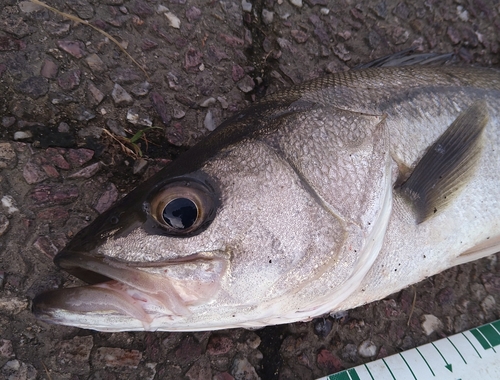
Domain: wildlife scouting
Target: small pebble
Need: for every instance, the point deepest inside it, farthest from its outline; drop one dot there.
(297, 3)
(9, 203)
(74, 48)
(22, 135)
(87, 171)
(267, 16)
(120, 96)
(246, 85)
(139, 165)
(69, 80)
(141, 89)
(367, 349)
(49, 69)
(178, 113)
(17, 370)
(209, 121)
(7, 155)
(116, 127)
(173, 20)
(46, 246)
(118, 357)
(95, 63)
(207, 102)
(246, 5)
(431, 323)
(242, 369)
(488, 304)
(136, 118)
(109, 197)
(4, 224)
(97, 95)
(6, 350)
(63, 127)
(8, 121)
(223, 102)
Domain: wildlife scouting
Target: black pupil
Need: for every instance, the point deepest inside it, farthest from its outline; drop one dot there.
(180, 213)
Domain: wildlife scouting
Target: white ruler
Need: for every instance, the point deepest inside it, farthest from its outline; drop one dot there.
(472, 354)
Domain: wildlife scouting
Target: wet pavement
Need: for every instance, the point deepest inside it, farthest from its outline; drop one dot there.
(71, 102)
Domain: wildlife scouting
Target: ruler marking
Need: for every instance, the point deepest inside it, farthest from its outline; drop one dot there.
(448, 365)
(428, 366)
(498, 333)
(455, 347)
(369, 372)
(353, 374)
(486, 339)
(490, 333)
(474, 347)
(480, 338)
(388, 369)
(402, 357)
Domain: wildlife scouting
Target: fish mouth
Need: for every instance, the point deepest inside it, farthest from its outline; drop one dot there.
(121, 295)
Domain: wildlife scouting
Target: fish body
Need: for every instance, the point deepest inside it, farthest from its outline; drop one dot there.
(321, 198)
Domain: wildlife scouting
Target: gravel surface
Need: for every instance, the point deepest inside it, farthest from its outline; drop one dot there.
(71, 102)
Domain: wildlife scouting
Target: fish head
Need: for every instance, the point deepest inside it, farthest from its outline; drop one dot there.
(244, 236)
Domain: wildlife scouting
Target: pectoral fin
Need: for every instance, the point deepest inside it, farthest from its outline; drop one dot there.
(448, 164)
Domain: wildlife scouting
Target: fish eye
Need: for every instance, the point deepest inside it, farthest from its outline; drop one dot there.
(180, 213)
(184, 207)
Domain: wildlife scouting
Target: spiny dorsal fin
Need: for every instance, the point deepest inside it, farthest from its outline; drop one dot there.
(448, 164)
(408, 57)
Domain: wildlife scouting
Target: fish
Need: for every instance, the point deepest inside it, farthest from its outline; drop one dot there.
(317, 199)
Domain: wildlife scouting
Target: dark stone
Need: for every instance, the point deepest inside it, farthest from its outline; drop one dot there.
(16, 26)
(78, 157)
(69, 80)
(109, 197)
(49, 69)
(188, 352)
(8, 43)
(46, 195)
(82, 8)
(329, 362)
(34, 87)
(160, 107)
(53, 214)
(219, 345)
(193, 14)
(74, 48)
(192, 59)
(148, 44)
(142, 9)
(125, 76)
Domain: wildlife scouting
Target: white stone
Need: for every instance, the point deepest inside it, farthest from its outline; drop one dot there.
(267, 16)
(367, 349)
(297, 3)
(247, 6)
(22, 135)
(209, 121)
(174, 20)
(9, 203)
(431, 323)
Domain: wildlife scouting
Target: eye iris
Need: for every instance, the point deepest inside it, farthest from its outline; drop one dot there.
(180, 213)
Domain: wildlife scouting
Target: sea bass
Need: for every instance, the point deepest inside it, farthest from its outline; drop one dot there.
(320, 198)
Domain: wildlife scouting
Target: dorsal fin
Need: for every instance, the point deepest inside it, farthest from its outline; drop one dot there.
(448, 164)
(408, 57)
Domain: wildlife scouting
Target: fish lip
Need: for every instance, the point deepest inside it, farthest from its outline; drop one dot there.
(130, 291)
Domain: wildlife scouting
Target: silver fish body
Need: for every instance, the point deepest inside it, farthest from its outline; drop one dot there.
(321, 198)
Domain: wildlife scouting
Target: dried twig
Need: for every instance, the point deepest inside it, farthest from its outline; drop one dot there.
(85, 22)
(412, 306)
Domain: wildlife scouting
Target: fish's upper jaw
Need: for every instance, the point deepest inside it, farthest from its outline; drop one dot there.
(123, 296)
